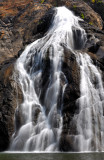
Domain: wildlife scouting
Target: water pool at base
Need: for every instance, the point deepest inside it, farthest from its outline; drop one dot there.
(52, 156)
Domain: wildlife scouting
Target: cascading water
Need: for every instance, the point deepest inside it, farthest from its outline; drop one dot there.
(90, 120)
(39, 119)
(44, 133)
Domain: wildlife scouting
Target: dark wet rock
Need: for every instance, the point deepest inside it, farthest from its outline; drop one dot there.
(46, 21)
(71, 70)
(95, 38)
(35, 113)
(72, 92)
(3, 133)
(66, 143)
(8, 102)
(93, 45)
(79, 40)
(44, 83)
(18, 120)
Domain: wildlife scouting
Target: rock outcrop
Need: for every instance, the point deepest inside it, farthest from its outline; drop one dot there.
(9, 93)
(22, 22)
(97, 6)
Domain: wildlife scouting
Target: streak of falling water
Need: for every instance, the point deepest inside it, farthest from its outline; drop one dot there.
(40, 120)
(90, 120)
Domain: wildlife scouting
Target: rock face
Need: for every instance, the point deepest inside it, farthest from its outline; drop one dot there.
(16, 20)
(20, 24)
(71, 94)
(9, 92)
(97, 6)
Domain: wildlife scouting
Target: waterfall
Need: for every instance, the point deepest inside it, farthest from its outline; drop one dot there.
(38, 120)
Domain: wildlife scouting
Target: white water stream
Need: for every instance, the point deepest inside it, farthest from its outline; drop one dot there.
(90, 120)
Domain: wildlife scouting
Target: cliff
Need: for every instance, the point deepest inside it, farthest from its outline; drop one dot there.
(22, 22)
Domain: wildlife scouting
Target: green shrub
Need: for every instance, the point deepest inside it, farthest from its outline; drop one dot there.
(82, 16)
(99, 1)
(90, 23)
(42, 1)
(74, 6)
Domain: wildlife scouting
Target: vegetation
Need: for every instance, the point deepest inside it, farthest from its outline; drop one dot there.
(90, 23)
(74, 6)
(93, 1)
(96, 1)
(42, 1)
(82, 16)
